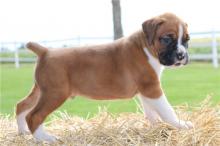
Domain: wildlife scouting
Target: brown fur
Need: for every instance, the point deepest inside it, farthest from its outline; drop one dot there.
(110, 71)
(29, 101)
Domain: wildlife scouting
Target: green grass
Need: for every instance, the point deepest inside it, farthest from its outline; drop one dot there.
(22, 54)
(189, 84)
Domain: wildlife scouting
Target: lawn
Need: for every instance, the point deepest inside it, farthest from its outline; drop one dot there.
(189, 84)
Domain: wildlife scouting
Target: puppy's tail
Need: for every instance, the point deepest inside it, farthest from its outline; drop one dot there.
(36, 48)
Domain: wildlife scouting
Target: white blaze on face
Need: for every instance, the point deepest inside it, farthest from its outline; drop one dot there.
(180, 47)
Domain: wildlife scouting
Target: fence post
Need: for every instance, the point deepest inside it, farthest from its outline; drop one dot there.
(17, 65)
(214, 50)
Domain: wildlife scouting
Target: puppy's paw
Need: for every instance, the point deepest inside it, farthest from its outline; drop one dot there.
(184, 124)
(23, 131)
(41, 135)
(48, 138)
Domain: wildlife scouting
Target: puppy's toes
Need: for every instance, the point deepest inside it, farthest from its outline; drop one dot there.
(185, 125)
(51, 138)
(48, 138)
(24, 132)
(189, 124)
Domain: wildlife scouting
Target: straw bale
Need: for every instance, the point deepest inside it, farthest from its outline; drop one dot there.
(125, 129)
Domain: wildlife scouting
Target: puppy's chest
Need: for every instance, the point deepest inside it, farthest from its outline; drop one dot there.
(154, 63)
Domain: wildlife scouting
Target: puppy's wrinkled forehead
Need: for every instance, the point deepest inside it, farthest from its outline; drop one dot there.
(172, 26)
(165, 24)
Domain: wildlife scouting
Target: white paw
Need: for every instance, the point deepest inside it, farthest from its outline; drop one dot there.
(46, 137)
(41, 135)
(23, 131)
(184, 124)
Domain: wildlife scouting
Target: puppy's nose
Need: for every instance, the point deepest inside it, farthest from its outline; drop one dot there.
(180, 55)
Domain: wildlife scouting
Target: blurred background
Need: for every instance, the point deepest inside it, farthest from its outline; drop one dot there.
(69, 23)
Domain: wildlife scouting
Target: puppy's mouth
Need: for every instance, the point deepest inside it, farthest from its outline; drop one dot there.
(173, 61)
(177, 64)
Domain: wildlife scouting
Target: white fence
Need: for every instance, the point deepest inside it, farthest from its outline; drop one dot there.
(213, 55)
(17, 58)
(13, 48)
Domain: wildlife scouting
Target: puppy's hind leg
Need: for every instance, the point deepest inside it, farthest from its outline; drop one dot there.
(24, 107)
(48, 102)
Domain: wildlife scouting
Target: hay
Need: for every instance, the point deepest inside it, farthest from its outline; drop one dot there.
(124, 129)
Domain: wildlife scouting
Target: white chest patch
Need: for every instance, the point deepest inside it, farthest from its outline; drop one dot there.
(158, 68)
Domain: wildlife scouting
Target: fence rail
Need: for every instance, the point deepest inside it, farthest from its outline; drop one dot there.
(13, 47)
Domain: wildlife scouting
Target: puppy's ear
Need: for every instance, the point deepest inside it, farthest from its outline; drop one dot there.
(150, 28)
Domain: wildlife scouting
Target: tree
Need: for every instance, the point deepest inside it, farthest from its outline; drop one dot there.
(116, 9)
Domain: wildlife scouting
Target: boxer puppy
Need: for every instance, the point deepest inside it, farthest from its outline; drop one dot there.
(121, 69)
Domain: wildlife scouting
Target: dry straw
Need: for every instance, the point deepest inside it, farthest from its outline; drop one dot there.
(126, 129)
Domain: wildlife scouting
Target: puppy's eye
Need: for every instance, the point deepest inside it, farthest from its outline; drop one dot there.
(185, 44)
(166, 40)
(187, 38)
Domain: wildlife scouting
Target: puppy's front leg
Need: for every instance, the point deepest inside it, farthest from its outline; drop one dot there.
(166, 112)
(148, 111)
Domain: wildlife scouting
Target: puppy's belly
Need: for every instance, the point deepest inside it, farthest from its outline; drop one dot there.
(102, 90)
(109, 96)
(106, 93)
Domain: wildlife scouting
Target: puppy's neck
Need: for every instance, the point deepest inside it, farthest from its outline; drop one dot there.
(141, 43)
(154, 62)
(137, 39)
(140, 39)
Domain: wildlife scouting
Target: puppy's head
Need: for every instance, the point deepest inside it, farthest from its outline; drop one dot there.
(167, 37)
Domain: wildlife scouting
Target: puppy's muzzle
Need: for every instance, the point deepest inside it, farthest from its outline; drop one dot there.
(181, 59)
(180, 56)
